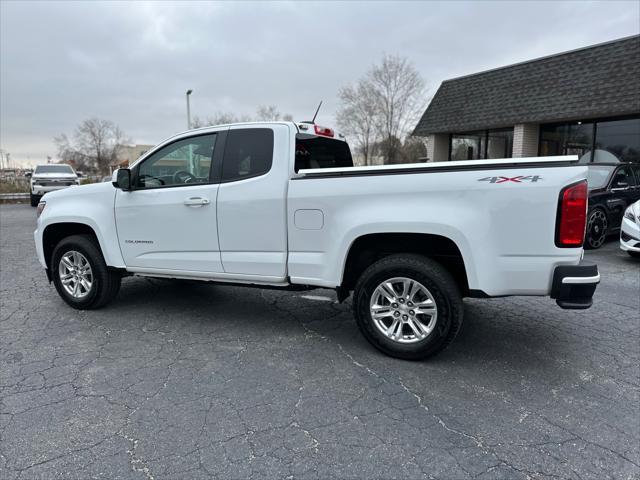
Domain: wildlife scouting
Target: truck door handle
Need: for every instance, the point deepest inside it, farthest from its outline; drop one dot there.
(196, 202)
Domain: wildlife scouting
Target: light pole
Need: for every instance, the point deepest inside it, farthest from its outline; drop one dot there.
(189, 109)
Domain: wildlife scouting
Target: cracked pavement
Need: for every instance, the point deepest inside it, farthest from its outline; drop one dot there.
(192, 380)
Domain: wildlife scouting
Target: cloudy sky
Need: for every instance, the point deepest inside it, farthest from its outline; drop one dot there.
(62, 62)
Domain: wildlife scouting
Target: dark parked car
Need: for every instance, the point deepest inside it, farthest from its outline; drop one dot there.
(612, 188)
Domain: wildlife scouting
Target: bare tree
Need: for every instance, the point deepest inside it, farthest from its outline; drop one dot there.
(388, 99)
(399, 92)
(358, 115)
(95, 143)
(218, 118)
(266, 113)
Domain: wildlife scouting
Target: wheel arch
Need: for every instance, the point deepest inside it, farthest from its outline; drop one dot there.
(369, 248)
(55, 232)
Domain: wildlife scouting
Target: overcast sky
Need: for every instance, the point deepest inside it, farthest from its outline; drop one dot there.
(62, 62)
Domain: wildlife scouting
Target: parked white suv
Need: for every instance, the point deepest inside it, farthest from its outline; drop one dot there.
(50, 177)
(280, 205)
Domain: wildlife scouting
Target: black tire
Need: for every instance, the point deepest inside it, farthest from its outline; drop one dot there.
(35, 199)
(431, 275)
(597, 229)
(633, 254)
(105, 284)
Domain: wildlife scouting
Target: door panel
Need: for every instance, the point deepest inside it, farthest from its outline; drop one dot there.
(157, 230)
(169, 219)
(252, 201)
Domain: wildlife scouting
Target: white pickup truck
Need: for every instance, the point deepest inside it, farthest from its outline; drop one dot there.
(48, 178)
(280, 205)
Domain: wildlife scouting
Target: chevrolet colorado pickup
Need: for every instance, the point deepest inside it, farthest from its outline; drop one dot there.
(280, 205)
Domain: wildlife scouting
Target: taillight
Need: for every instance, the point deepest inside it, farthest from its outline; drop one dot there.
(324, 131)
(572, 215)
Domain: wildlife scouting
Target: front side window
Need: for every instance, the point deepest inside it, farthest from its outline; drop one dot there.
(623, 178)
(248, 153)
(321, 152)
(186, 161)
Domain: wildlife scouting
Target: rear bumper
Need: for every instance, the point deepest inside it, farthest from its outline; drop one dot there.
(573, 285)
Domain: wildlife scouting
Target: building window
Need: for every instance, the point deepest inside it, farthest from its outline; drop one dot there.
(467, 146)
(566, 139)
(499, 143)
(485, 144)
(593, 141)
(619, 138)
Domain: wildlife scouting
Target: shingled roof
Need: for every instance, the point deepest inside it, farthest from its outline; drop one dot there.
(597, 81)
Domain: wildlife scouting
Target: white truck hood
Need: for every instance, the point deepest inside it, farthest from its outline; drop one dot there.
(81, 190)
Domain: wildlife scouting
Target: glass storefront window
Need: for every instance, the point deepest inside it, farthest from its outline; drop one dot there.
(620, 138)
(499, 143)
(482, 145)
(593, 141)
(467, 146)
(567, 139)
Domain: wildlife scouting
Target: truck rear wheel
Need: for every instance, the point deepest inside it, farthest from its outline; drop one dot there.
(408, 306)
(34, 199)
(80, 273)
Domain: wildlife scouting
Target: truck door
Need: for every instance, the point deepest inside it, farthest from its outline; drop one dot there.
(252, 201)
(168, 220)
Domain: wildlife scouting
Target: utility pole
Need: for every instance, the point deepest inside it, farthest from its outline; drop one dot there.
(189, 92)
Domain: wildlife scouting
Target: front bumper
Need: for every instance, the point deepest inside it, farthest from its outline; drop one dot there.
(42, 189)
(629, 236)
(573, 285)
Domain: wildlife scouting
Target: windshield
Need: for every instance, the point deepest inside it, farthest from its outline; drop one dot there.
(53, 169)
(321, 152)
(598, 176)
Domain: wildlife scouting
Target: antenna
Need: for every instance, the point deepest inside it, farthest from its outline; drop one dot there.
(316, 114)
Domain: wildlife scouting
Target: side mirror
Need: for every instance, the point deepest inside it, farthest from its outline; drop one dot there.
(122, 179)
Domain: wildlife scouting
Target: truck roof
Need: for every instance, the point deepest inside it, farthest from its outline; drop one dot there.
(302, 127)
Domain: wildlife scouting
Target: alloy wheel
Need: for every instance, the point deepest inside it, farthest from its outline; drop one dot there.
(403, 310)
(75, 274)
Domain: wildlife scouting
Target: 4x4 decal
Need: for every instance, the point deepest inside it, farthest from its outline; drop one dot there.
(518, 179)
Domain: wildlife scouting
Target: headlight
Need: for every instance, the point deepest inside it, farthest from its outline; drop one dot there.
(629, 215)
(40, 208)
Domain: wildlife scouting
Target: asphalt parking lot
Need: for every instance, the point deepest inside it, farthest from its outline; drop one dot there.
(190, 380)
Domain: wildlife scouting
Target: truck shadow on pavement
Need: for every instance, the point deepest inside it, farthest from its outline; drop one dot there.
(519, 332)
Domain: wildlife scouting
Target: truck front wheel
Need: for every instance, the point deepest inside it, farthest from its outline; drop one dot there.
(408, 306)
(34, 199)
(80, 273)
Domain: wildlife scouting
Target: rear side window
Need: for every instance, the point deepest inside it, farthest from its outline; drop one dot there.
(321, 152)
(248, 153)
